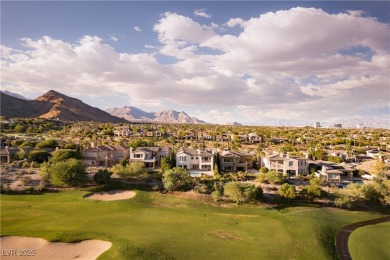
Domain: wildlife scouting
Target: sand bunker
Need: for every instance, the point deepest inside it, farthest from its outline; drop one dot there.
(111, 195)
(13, 247)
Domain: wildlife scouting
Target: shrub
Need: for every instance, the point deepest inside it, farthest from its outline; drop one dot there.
(241, 192)
(216, 195)
(264, 170)
(67, 173)
(64, 154)
(287, 191)
(102, 176)
(311, 191)
(50, 143)
(274, 177)
(131, 169)
(39, 156)
(176, 179)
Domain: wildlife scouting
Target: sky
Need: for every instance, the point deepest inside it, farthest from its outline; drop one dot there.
(223, 61)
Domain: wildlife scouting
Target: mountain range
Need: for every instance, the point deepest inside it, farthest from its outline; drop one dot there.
(9, 93)
(57, 105)
(53, 105)
(134, 114)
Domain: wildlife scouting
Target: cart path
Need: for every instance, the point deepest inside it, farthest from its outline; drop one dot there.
(344, 233)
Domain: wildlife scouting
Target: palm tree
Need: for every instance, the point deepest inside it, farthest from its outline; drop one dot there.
(260, 153)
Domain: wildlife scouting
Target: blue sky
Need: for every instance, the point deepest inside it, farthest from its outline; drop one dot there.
(219, 61)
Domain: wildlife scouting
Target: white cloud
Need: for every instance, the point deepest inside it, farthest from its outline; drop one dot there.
(202, 13)
(234, 22)
(137, 29)
(175, 27)
(215, 116)
(285, 64)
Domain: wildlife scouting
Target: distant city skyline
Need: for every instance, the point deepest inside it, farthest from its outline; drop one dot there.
(218, 61)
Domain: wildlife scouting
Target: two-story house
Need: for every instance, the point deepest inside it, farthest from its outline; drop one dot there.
(150, 156)
(286, 164)
(197, 162)
(104, 155)
(233, 161)
(123, 131)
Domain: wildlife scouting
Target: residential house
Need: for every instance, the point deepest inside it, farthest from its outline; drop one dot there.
(153, 134)
(286, 164)
(123, 131)
(223, 138)
(339, 153)
(7, 154)
(150, 156)
(333, 172)
(104, 155)
(233, 161)
(254, 138)
(197, 161)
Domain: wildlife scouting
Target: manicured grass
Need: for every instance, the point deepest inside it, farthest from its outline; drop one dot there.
(370, 242)
(156, 226)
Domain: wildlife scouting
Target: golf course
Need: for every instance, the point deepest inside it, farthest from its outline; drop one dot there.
(151, 225)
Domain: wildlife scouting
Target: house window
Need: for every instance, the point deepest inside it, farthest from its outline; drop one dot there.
(206, 159)
(182, 158)
(138, 155)
(290, 164)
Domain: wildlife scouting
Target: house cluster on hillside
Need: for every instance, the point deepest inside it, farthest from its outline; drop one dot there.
(126, 131)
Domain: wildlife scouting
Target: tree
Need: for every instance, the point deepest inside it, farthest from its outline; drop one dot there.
(20, 128)
(216, 172)
(64, 154)
(350, 195)
(176, 178)
(241, 192)
(260, 154)
(216, 195)
(379, 170)
(165, 164)
(17, 142)
(130, 170)
(287, 191)
(264, 170)
(67, 173)
(20, 155)
(28, 144)
(311, 192)
(274, 177)
(102, 176)
(51, 143)
(71, 146)
(39, 156)
(261, 178)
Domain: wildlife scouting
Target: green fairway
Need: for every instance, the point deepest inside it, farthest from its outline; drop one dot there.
(370, 242)
(153, 226)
